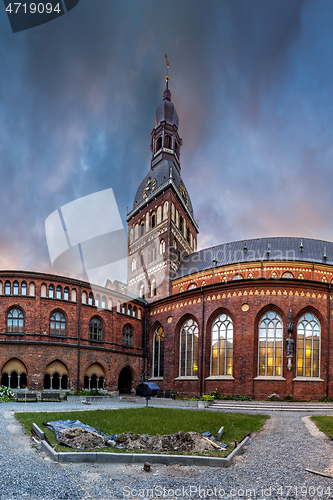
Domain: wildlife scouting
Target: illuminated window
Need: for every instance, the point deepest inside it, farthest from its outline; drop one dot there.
(58, 324)
(237, 277)
(222, 346)
(188, 355)
(158, 353)
(287, 276)
(308, 346)
(95, 329)
(127, 335)
(270, 345)
(15, 321)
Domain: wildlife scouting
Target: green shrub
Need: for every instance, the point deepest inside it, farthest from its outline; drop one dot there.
(288, 397)
(5, 391)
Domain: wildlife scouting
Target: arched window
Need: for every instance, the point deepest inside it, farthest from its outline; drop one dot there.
(167, 141)
(136, 231)
(123, 309)
(158, 144)
(173, 212)
(159, 215)
(58, 324)
(51, 292)
(15, 288)
(158, 353)
(74, 295)
(131, 235)
(165, 210)
(153, 288)
(153, 254)
(134, 311)
(188, 353)
(133, 264)
(103, 302)
(142, 228)
(308, 346)
(91, 299)
(32, 289)
(15, 321)
(84, 297)
(287, 275)
(66, 293)
(23, 288)
(58, 292)
(181, 224)
(142, 291)
(153, 220)
(222, 346)
(162, 247)
(129, 310)
(127, 335)
(270, 345)
(118, 306)
(95, 329)
(7, 288)
(110, 304)
(97, 299)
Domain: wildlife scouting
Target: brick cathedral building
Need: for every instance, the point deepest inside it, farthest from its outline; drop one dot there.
(250, 317)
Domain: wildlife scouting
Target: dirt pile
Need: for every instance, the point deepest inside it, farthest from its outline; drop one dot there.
(81, 438)
(180, 441)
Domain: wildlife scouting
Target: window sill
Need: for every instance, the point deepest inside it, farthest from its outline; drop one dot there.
(14, 333)
(269, 377)
(186, 378)
(58, 336)
(156, 378)
(308, 379)
(95, 340)
(220, 377)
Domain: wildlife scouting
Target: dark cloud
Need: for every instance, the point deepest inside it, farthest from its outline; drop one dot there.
(252, 84)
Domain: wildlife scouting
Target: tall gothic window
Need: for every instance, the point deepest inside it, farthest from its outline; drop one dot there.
(95, 329)
(58, 324)
(308, 346)
(15, 288)
(270, 345)
(222, 346)
(158, 353)
(188, 355)
(15, 321)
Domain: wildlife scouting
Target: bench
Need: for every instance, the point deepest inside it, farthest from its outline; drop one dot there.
(26, 396)
(46, 396)
(167, 393)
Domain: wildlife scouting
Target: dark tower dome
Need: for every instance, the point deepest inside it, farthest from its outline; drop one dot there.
(166, 112)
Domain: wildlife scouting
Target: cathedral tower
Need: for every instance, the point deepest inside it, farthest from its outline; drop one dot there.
(161, 225)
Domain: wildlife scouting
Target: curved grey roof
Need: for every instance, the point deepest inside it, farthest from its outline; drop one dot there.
(280, 249)
(161, 173)
(166, 112)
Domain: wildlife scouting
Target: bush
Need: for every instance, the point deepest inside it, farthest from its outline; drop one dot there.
(274, 397)
(288, 397)
(5, 399)
(5, 391)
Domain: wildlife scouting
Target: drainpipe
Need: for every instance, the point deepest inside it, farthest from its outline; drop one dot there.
(79, 342)
(144, 345)
(202, 340)
(328, 337)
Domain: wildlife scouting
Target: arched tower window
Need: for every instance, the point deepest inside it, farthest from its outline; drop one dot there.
(188, 352)
(158, 144)
(270, 345)
(15, 288)
(158, 353)
(308, 346)
(222, 346)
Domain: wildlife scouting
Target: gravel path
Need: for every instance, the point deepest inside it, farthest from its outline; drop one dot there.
(273, 466)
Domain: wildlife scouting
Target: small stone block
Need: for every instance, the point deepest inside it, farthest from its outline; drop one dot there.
(220, 433)
(38, 431)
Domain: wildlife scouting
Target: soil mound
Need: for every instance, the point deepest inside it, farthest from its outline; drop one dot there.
(180, 441)
(81, 438)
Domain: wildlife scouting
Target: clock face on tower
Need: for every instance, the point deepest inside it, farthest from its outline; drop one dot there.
(184, 194)
(149, 187)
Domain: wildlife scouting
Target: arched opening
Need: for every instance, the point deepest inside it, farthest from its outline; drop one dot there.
(93, 382)
(55, 381)
(101, 383)
(4, 379)
(23, 381)
(93, 375)
(86, 382)
(158, 144)
(14, 374)
(13, 380)
(56, 375)
(47, 381)
(125, 381)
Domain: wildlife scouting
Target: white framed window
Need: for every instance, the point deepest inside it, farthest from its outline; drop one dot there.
(188, 349)
(308, 346)
(270, 345)
(221, 346)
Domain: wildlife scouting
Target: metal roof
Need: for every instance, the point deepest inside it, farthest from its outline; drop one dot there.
(261, 249)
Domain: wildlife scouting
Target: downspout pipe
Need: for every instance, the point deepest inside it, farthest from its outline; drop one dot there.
(328, 338)
(144, 344)
(79, 342)
(202, 340)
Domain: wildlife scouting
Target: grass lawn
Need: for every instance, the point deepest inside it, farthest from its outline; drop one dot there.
(325, 424)
(152, 421)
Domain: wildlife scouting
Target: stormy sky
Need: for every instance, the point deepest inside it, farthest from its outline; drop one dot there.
(252, 82)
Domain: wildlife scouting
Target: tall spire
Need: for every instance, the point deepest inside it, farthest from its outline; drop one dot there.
(167, 93)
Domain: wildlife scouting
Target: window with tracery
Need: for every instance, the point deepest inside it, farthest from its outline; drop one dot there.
(270, 345)
(308, 346)
(128, 335)
(158, 352)
(15, 321)
(58, 324)
(188, 352)
(222, 346)
(95, 329)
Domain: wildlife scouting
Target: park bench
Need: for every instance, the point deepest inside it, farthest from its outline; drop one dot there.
(47, 396)
(166, 393)
(26, 396)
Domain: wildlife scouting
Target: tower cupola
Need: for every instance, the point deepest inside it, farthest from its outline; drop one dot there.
(165, 142)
